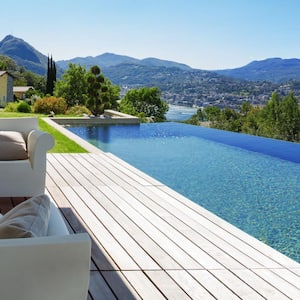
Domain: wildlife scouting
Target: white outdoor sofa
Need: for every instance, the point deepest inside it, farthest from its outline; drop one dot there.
(55, 266)
(23, 176)
(39, 259)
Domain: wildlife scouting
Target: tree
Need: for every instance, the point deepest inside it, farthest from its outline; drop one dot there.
(97, 90)
(145, 102)
(51, 76)
(251, 119)
(289, 119)
(280, 118)
(7, 63)
(73, 86)
(229, 119)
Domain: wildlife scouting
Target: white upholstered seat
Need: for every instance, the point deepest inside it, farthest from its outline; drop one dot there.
(25, 177)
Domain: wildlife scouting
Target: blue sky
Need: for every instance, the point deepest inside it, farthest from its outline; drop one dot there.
(205, 34)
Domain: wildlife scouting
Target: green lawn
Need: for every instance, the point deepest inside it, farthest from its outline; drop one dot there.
(62, 143)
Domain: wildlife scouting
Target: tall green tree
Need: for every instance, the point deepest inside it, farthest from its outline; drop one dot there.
(280, 118)
(73, 85)
(145, 102)
(51, 76)
(289, 119)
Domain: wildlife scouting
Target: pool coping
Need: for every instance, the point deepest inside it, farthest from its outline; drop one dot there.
(109, 117)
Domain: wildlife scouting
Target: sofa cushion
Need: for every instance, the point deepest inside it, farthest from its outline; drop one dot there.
(28, 219)
(12, 146)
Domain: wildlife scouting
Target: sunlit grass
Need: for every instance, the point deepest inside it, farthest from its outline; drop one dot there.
(62, 143)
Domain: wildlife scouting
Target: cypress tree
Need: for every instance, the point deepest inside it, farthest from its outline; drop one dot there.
(51, 76)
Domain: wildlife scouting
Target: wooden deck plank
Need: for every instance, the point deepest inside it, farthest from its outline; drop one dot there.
(143, 285)
(213, 285)
(190, 285)
(285, 287)
(119, 163)
(158, 220)
(121, 287)
(166, 243)
(142, 259)
(265, 289)
(167, 285)
(128, 170)
(239, 287)
(150, 242)
(116, 210)
(99, 288)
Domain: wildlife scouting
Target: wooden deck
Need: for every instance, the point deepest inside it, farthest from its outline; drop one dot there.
(150, 242)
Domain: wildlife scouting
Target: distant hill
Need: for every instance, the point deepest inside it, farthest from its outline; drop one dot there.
(24, 54)
(150, 75)
(110, 60)
(276, 70)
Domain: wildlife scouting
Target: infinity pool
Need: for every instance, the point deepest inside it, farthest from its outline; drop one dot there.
(252, 182)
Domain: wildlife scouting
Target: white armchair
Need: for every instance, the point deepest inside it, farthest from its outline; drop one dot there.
(25, 177)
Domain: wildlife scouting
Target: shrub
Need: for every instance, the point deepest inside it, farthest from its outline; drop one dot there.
(24, 107)
(48, 104)
(11, 107)
(78, 110)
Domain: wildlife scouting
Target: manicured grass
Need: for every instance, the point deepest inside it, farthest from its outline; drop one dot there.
(62, 143)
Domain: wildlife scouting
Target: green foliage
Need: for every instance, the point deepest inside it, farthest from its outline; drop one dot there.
(101, 93)
(47, 104)
(78, 110)
(279, 119)
(145, 102)
(72, 86)
(91, 88)
(24, 107)
(11, 107)
(7, 63)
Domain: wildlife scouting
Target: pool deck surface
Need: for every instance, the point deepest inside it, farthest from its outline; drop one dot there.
(149, 242)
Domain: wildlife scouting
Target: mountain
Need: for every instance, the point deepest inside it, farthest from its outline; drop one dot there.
(24, 54)
(110, 60)
(272, 69)
(103, 60)
(275, 70)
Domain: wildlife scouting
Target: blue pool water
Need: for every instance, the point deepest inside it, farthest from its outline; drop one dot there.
(252, 182)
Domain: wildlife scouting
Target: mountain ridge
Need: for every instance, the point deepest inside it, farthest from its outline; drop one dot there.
(107, 59)
(276, 70)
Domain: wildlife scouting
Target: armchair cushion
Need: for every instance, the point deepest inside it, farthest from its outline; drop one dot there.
(13, 146)
(28, 219)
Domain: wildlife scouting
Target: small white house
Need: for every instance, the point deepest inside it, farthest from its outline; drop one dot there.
(20, 91)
